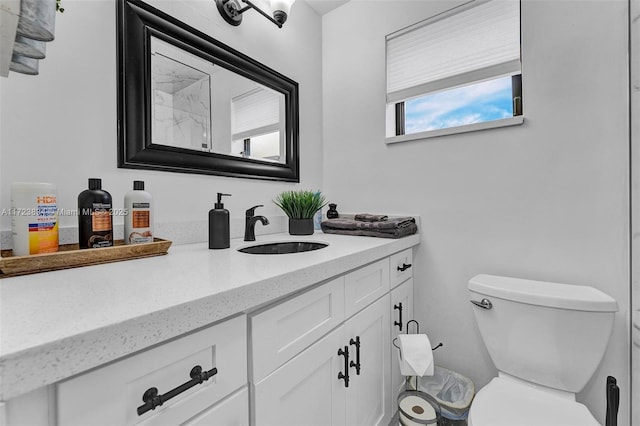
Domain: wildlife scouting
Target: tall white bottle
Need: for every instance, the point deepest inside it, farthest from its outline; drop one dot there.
(138, 222)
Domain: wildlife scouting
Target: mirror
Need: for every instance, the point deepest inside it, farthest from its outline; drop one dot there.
(188, 103)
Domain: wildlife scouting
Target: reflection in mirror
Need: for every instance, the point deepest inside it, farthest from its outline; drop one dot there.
(190, 104)
(256, 128)
(181, 92)
(189, 93)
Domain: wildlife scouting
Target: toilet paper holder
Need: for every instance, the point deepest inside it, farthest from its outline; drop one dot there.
(417, 332)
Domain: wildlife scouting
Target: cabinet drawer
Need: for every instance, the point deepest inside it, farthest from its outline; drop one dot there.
(233, 411)
(283, 331)
(111, 395)
(401, 265)
(365, 285)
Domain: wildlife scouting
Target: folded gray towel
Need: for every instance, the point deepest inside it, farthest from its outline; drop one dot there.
(366, 217)
(393, 228)
(342, 223)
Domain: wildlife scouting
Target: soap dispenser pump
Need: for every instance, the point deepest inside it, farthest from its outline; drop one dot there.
(219, 225)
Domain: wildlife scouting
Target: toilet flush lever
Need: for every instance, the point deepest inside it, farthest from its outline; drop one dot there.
(484, 303)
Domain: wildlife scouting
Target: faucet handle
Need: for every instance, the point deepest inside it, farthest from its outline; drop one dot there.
(252, 210)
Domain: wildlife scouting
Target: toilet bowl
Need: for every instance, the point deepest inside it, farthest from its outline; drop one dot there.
(507, 401)
(546, 340)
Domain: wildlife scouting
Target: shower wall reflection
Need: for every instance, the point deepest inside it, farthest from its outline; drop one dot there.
(181, 104)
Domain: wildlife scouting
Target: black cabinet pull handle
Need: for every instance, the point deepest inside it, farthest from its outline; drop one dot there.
(356, 364)
(345, 376)
(399, 322)
(404, 267)
(152, 399)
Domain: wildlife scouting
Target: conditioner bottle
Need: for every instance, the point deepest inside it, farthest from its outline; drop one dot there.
(138, 222)
(95, 224)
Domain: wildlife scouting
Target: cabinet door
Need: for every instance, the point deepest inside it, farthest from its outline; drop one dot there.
(368, 402)
(306, 390)
(401, 305)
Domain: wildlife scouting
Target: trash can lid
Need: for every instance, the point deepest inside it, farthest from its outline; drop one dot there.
(417, 408)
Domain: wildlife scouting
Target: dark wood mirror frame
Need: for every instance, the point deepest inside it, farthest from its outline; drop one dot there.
(137, 22)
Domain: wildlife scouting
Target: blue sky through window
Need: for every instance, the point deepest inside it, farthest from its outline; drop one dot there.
(476, 103)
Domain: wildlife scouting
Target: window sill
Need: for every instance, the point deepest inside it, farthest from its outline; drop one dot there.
(511, 121)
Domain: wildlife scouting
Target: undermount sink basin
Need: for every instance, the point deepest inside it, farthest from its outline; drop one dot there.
(284, 247)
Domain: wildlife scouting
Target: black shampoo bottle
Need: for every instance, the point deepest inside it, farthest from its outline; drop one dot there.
(95, 224)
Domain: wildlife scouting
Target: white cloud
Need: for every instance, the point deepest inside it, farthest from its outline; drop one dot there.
(425, 125)
(432, 109)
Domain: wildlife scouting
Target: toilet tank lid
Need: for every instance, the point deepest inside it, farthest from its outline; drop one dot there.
(541, 293)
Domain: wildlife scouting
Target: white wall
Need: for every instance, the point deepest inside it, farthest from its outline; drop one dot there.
(60, 126)
(635, 201)
(548, 200)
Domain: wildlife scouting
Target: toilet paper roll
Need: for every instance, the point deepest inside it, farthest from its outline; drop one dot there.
(415, 355)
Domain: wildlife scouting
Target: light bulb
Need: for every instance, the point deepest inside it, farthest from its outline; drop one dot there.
(281, 9)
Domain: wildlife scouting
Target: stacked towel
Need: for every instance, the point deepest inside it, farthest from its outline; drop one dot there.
(387, 228)
(366, 217)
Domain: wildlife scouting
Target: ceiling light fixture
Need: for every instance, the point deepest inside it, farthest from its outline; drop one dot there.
(231, 10)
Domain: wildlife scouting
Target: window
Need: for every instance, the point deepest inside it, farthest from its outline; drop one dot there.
(256, 125)
(459, 70)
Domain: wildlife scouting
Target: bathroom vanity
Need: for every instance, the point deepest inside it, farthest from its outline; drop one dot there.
(302, 336)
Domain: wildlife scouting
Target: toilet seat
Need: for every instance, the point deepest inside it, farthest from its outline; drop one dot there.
(507, 401)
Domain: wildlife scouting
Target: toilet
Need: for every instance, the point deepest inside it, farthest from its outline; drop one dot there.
(546, 340)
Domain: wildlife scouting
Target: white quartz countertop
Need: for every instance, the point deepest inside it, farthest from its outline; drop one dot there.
(54, 325)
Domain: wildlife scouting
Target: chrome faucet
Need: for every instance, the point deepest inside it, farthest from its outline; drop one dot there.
(250, 223)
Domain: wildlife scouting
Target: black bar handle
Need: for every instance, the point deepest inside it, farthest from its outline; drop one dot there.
(613, 401)
(404, 267)
(356, 364)
(345, 376)
(399, 308)
(152, 399)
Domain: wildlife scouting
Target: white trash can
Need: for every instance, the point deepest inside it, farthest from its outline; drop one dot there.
(451, 390)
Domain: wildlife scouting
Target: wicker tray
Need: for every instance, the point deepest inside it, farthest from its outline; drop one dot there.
(69, 256)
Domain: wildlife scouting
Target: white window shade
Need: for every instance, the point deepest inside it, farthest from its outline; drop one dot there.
(475, 44)
(255, 112)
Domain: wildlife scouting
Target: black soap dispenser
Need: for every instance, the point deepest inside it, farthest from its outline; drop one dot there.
(219, 225)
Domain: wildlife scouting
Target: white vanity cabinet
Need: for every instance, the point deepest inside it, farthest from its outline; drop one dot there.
(341, 378)
(112, 395)
(321, 356)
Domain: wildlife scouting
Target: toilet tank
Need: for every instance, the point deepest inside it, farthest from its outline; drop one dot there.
(550, 334)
